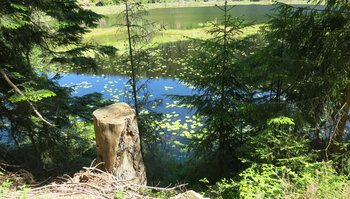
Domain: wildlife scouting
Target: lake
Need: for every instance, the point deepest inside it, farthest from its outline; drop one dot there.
(161, 78)
(194, 17)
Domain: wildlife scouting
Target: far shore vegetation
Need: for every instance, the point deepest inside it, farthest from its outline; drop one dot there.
(115, 36)
(117, 8)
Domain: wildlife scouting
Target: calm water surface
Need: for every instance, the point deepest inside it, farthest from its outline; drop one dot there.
(114, 88)
(178, 123)
(195, 17)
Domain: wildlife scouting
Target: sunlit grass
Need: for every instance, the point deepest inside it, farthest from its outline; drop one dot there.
(117, 36)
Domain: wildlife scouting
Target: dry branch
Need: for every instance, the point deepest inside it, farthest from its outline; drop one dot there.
(22, 94)
(93, 183)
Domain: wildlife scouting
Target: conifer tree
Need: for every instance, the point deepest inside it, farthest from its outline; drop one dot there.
(306, 63)
(214, 73)
(31, 102)
(139, 33)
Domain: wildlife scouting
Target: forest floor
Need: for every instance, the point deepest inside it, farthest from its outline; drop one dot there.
(87, 183)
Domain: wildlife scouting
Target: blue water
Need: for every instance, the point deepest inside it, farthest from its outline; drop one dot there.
(114, 85)
(114, 88)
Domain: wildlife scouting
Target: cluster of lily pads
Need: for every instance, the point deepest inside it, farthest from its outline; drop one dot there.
(178, 124)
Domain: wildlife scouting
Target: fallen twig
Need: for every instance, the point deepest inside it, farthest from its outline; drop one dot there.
(95, 183)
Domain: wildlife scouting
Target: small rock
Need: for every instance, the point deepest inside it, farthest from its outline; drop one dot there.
(189, 195)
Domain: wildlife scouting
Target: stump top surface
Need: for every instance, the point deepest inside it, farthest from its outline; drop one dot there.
(114, 113)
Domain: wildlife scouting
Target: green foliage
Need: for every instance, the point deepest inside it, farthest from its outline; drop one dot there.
(266, 112)
(5, 187)
(280, 143)
(148, 192)
(32, 34)
(265, 181)
(214, 73)
(283, 167)
(314, 181)
(118, 195)
(277, 122)
(32, 96)
(302, 69)
(300, 81)
(222, 189)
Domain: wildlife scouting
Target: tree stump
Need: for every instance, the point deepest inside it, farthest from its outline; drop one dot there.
(118, 143)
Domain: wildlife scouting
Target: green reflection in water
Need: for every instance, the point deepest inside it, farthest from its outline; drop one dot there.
(194, 17)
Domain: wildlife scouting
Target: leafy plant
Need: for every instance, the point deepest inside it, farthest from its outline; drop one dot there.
(281, 143)
(315, 180)
(118, 195)
(222, 189)
(264, 181)
(5, 187)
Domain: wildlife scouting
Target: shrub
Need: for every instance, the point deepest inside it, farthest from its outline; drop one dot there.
(317, 180)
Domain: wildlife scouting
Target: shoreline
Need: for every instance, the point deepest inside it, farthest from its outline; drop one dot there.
(161, 37)
(115, 9)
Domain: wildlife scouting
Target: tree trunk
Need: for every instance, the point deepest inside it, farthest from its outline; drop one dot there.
(342, 122)
(133, 72)
(118, 143)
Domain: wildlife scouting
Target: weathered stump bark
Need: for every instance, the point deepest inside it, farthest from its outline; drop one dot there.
(118, 143)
